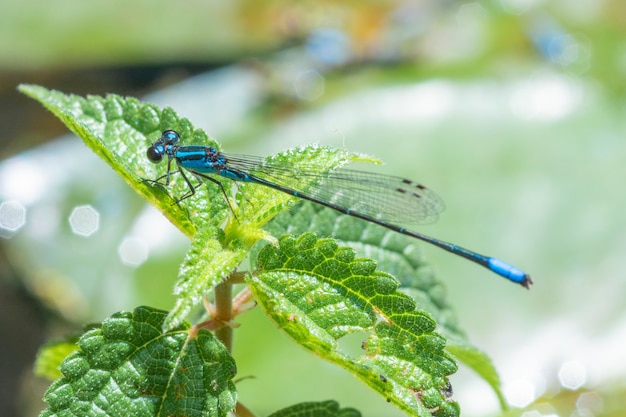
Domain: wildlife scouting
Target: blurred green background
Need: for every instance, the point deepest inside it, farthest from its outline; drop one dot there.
(512, 110)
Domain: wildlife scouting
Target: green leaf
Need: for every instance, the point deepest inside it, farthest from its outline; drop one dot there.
(318, 292)
(206, 264)
(256, 204)
(400, 256)
(128, 367)
(316, 409)
(119, 130)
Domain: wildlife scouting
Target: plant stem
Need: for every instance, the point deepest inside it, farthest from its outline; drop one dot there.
(224, 313)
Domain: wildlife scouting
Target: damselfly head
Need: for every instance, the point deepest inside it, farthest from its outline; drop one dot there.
(163, 145)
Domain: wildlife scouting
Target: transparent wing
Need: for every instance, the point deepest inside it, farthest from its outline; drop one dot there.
(386, 198)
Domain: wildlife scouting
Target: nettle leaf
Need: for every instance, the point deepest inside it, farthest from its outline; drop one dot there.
(319, 292)
(119, 130)
(316, 409)
(128, 367)
(257, 204)
(400, 256)
(207, 263)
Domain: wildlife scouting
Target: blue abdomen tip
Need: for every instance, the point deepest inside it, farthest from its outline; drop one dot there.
(509, 271)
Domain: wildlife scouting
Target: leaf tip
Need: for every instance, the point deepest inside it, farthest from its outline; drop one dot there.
(29, 89)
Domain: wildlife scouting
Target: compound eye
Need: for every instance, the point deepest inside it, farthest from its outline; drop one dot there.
(171, 135)
(154, 154)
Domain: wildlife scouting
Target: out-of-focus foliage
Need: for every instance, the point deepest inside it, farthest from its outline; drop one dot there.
(453, 38)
